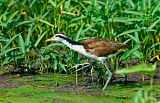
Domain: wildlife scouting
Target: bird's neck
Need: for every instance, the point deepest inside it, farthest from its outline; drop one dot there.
(68, 42)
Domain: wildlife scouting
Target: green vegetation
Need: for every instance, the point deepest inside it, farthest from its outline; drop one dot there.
(143, 95)
(145, 69)
(42, 89)
(38, 95)
(26, 24)
(37, 89)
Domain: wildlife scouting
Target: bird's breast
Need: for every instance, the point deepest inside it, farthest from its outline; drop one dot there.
(82, 50)
(79, 48)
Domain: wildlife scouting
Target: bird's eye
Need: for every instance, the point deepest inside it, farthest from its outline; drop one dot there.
(56, 36)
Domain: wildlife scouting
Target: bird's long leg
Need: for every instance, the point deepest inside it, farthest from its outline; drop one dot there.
(76, 66)
(92, 73)
(109, 77)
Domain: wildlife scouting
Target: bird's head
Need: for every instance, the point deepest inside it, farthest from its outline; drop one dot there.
(57, 37)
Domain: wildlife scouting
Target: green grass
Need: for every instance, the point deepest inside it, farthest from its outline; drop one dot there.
(45, 80)
(38, 95)
(25, 24)
(35, 91)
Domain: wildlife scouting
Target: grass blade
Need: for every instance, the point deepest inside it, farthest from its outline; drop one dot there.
(153, 24)
(11, 16)
(27, 40)
(9, 50)
(146, 69)
(79, 32)
(21, 44)
(39, 39)
(23, 22)
(9, 42)
(129, 52)
(134, 12)
(128, 32)
(155, 8)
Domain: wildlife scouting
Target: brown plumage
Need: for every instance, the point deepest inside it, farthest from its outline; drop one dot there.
(102, 47)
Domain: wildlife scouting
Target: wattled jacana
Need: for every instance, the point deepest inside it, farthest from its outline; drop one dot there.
(96, 48)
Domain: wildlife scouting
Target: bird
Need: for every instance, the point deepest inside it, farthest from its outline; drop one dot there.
(99, 49)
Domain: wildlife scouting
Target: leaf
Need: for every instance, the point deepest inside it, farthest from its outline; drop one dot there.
(155, 8)
(52, 3)
(79, 31)
(129, 52)
(8, 50)
(73, 24)
(12, 2)
(50, 45)
(78, 18)
(23, 22)
(9, 42)
(33, 1)
(88, 28)
(129, 31)
(21, 44)
(127, 19)
(39, 39)
(9, 59)
(132, 4)
(134, 12)
(27, 40)
(146, 69)
(45, 14)
(153, 46)
(138, 54)
(135, 38)
(5, 61)
(55, 64)
(143, 4)
(118, 19)
(11, 16)
(68, 13)
(63, 67)
(153, 25)
(3, 15)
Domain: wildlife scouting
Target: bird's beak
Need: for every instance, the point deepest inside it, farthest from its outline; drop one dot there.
(50, 39)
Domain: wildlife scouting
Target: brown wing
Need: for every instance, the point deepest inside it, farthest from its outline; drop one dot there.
(88, 41)
(102, 47)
